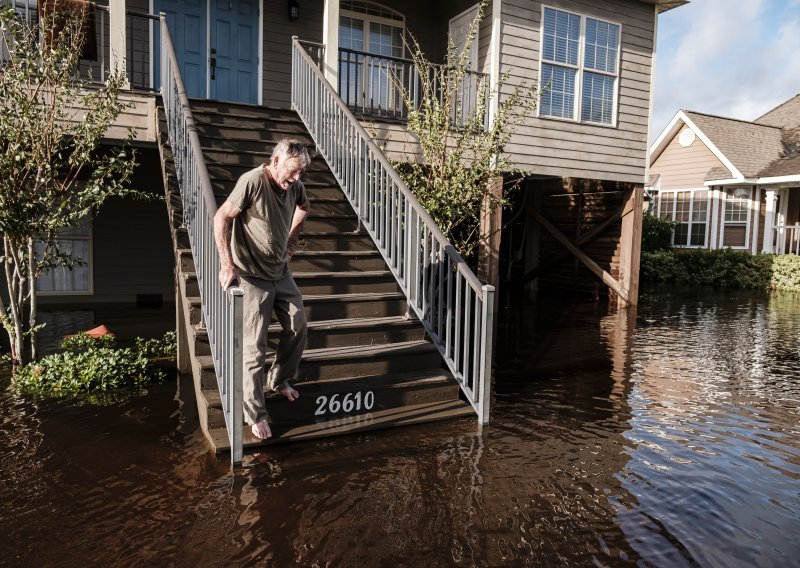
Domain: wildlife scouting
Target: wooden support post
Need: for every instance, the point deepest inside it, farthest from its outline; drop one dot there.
(117, 33)
(630, 246)
(489, 248)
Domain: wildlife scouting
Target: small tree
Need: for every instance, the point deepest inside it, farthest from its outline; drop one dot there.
(53, 171)
(462, 156)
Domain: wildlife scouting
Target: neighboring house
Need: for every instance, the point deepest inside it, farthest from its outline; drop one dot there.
(730, 183)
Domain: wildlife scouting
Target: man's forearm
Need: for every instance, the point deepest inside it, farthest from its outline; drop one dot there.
(222, 236)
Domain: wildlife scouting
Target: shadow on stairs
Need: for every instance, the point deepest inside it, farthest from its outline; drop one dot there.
(365, 366)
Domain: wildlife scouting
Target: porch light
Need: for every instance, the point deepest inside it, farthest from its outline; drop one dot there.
(294, 10)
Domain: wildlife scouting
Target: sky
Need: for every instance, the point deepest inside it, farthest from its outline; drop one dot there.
(732, 58)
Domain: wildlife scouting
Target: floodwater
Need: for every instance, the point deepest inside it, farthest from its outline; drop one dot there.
(665, 437)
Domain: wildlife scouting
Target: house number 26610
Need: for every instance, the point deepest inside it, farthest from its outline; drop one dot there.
(349, 403)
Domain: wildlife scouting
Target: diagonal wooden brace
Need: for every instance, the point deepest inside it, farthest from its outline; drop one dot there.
(607, 279)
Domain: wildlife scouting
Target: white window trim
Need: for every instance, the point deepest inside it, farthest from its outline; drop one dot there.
(89, 265)
(692, 191)
(576, 111)
(369, 19)
(724, 223)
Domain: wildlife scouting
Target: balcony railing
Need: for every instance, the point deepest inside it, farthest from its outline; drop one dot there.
(373, 85)
(139, 29)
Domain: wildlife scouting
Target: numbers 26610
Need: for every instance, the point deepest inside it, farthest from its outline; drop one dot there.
(351, 402)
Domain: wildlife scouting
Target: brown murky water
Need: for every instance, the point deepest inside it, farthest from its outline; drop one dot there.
(666, 438)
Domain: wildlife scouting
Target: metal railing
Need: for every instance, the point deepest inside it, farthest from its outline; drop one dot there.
(787, 239)
(138, 44)
(222, 310)
(455, 308)
(373, 85)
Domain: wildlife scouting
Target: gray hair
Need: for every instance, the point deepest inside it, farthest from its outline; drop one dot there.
(291, 148)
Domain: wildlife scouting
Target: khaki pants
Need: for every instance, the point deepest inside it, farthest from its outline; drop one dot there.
(261, 297)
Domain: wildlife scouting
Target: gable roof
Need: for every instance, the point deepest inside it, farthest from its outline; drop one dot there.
(768, 147)
(750, 147)
(785, 115)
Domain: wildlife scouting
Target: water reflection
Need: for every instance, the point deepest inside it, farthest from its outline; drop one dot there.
(663, 437)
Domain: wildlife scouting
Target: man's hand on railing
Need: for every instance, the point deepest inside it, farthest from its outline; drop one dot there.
(228, 276)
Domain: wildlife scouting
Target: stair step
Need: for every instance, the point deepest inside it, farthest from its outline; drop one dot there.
(336, 261)
(335, 241)
(335, 206)
(391, 418)
(321, 307)
(337, 224)
(314, 283)
(351, 362)
(356, 331)
(214, 110)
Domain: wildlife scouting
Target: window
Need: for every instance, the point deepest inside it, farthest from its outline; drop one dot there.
(737, 214)
(370, 28)
(689, 208)
(580, 67)
(63, 280)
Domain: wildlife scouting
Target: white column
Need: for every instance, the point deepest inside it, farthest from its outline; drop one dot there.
(116, 30)
(330, 37)
(769, 221)
(756, 206)
(714, 200)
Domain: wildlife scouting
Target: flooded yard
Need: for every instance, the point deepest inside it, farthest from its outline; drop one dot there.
(665, 437)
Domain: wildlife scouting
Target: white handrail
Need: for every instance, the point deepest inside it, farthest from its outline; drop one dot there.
(222, 311)
(787, 238)
(455, 308)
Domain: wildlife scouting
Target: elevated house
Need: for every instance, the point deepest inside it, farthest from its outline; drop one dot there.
(731, 183)
(401, 328)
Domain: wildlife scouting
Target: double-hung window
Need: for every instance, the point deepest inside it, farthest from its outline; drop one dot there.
(77, 242)
(689, 209)
(580, 67)
(737, 214)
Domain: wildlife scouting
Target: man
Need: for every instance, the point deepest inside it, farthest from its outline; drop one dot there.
(256, 231)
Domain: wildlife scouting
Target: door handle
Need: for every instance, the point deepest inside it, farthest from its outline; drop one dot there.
(213, 62)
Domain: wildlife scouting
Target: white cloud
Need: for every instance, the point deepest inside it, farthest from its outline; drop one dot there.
(735, 59)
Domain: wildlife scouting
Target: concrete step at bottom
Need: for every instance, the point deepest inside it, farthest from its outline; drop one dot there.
(391, 418)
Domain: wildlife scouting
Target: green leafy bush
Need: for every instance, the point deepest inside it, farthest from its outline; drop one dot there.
(786, 273)
(166, 346)
(656, 233)
(83, 341)
(721, 269)
(88, 365)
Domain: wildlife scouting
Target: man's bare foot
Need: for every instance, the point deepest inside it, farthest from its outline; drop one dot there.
(261, 430)
(289, 393)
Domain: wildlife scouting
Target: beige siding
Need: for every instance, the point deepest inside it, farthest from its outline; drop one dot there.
(277, 50)
(684, 168)
(565, 148)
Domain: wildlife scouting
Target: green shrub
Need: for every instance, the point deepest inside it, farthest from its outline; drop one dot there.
(167, 346)
(786, 273)
(656, 233)
(88, 365)
(721, 269)
(83, 341)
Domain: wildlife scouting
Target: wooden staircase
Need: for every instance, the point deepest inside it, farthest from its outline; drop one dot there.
(366, 365)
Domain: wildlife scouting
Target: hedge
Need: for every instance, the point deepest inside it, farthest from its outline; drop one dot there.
(721, 269)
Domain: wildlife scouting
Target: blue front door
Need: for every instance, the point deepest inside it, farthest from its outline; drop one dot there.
(188, 24)
(227, 68)
(234, 50)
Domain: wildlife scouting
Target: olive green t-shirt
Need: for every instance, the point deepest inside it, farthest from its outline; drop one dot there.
(261, 231)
